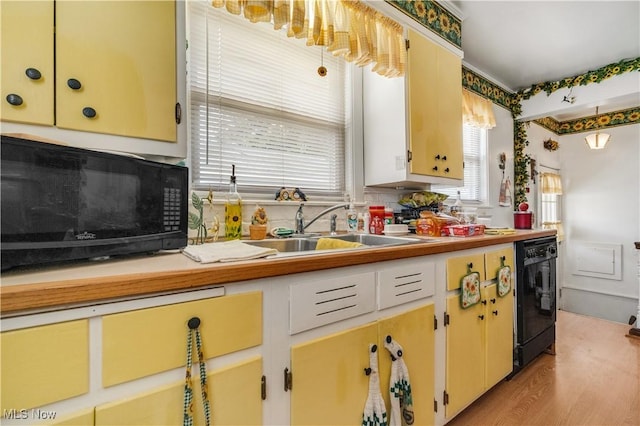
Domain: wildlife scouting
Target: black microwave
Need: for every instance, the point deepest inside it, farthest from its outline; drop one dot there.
(62, 203)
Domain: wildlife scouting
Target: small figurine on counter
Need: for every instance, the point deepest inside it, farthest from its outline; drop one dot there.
(258, 227)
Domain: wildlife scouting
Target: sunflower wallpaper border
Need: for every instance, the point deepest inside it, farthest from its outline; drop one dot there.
(434, 17)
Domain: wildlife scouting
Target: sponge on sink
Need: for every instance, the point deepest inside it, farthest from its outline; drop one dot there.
(334, 243)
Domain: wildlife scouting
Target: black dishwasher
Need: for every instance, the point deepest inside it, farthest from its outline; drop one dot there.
(535, 298)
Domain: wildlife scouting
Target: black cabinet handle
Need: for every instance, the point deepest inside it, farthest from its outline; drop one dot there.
(470, 265)
(481, 317)
(446, 170)
(438, 157)
(495, 313)
(33, 73)
(89, 112)
(435, 168)
(493, 301)
(74, 84)
(13, 99)
(444, 158)
(484, 302)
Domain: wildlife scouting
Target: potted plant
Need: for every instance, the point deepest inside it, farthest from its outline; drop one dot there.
(258, 227)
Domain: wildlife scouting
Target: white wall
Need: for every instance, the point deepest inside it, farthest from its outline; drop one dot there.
(500, 139)
(602, 205)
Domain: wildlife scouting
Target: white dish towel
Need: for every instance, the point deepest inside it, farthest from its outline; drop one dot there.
(375, 412)
(399, 386)
(227, 251)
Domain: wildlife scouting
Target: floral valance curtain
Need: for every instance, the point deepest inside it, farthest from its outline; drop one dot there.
(550, 183)
(347, 28)
(477, 111)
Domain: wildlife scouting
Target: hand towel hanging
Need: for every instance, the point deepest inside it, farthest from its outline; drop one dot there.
(193, 325)
(375, 412)
(399, 386)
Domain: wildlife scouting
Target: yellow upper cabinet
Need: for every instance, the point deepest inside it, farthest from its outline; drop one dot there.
(435, 109)
(413, 125)
(26, 61)
(116, 67)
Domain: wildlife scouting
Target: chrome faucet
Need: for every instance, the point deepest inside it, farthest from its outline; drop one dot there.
(301, 226)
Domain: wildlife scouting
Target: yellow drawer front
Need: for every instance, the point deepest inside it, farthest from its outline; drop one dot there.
(26, 32)
(45, 364)
(458, 267)
(413, 330)
(145, 342)
(493, 261)
(234, 395)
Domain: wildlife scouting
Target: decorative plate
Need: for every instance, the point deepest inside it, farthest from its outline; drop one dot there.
(470, 290)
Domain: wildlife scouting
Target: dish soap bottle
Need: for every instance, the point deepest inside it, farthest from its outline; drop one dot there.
(233, 210)
(352, 219)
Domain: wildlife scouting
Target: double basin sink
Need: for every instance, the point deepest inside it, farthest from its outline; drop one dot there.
(307, 244)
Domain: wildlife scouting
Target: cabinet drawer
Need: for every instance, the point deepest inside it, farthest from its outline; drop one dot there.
(458, 267)
(144, 342)
(45, 364)
(493, 261)
(316, 303)
(234, 395)
(402, 284)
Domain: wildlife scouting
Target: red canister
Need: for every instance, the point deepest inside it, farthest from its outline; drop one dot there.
(376, 225)
(522, 220)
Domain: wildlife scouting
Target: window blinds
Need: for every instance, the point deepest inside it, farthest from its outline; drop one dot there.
(474, 142)
(258, 102)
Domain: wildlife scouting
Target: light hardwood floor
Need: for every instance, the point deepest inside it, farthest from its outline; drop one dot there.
(594, 379)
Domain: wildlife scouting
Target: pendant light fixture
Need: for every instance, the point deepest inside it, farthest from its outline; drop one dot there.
(597, 140)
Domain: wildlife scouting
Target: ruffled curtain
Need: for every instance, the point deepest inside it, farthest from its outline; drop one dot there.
(347, 28)
(477, 111)
(550, 183)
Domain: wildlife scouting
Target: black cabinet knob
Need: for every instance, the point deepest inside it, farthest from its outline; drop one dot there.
(495, 313)
(446, 170)
(89, 112)
(481, 317)
(74, 84)
(33, 74)
(444, 158)
(438, 157)
(484, 302)
(435, 168)
(13, 99)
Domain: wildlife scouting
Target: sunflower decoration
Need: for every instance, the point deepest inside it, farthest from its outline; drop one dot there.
(551, 145)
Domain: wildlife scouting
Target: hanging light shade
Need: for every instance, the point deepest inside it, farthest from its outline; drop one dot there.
(597, 140)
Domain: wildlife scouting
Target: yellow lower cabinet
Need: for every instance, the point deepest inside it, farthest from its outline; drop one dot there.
(465, 356)
(82, 418)
(148, 341)
(44, 364)
(329, 386)
(234, 395)
(499, 336)
(413, 330)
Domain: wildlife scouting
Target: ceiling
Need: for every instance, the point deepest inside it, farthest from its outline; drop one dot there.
(520, 43)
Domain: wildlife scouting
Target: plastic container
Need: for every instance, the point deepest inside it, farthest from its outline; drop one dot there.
(388, 216)
(522, 220)
(376, 226)
(466, 230)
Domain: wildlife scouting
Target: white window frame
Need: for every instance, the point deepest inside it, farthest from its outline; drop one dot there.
(482, 185)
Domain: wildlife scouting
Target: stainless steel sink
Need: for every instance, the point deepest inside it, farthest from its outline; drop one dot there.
(376, 240)
(307, 245)
(286, 245)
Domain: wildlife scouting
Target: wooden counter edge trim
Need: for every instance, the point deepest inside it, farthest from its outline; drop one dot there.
(62, 294)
